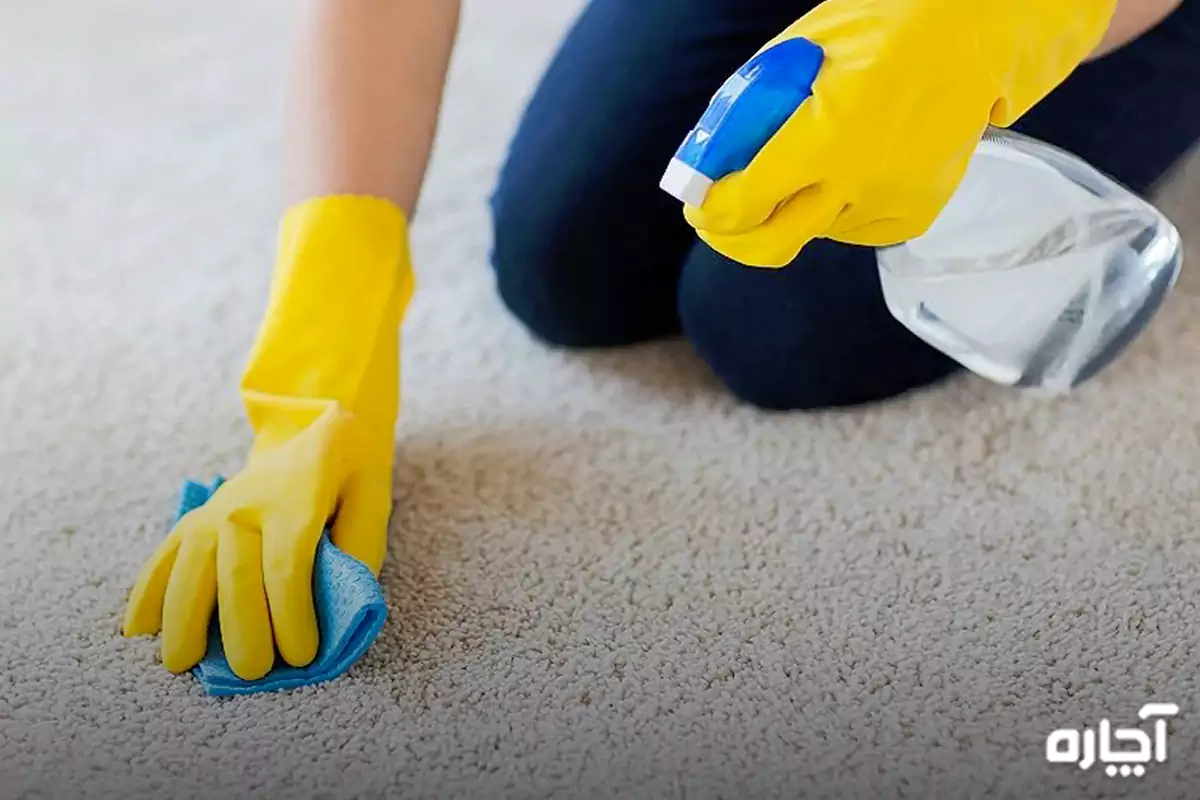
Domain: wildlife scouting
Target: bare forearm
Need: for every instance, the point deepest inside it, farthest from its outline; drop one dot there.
(365, 93)
(1132, 19)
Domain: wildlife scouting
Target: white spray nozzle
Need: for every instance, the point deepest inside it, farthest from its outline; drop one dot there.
(685, 183)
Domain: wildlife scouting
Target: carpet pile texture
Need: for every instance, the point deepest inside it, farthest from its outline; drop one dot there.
(606, 577)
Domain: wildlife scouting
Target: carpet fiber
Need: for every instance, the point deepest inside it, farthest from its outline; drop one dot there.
(606, 577)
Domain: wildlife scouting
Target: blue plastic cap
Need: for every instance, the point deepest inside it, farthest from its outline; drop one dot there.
(748, 109)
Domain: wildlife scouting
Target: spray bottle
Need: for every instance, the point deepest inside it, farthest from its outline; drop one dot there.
(1039, 271)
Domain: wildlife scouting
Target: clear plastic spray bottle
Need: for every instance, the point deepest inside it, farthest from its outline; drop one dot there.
(1039, 271)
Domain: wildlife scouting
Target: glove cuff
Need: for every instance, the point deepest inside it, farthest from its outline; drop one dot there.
(341, 285)
(1036, 45)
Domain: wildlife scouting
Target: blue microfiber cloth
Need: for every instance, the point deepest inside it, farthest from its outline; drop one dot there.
(350, 613)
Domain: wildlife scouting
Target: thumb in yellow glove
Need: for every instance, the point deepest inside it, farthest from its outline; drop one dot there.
(905, 93)
(322, 393)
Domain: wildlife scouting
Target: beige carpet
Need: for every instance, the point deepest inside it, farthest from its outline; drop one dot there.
(607, 579)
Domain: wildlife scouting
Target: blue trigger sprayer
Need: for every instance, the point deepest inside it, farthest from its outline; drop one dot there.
(770, 86)
(1039, 271)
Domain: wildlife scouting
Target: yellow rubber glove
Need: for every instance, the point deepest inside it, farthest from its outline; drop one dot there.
(905, 93)
(322, 393)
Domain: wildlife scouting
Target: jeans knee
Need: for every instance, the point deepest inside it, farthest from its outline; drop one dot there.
(816, 335)
(532, 277)
(567, 280)
(821, 374)
(800, 379)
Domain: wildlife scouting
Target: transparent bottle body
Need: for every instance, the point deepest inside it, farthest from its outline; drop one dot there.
(1040, 270)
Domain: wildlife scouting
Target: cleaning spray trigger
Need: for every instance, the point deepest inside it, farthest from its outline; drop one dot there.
(751, 106)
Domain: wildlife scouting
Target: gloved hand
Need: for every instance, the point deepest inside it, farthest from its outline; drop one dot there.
(321, 390)
(905, 93)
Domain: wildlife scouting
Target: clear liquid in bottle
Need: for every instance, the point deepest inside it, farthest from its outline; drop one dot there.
(1040, 270)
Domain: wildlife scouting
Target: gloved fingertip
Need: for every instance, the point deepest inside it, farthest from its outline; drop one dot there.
(242, 602)
(180, 657)
(298, 647)
(136, 624)
(781, 237)
(724, 212)
(144, 607)
(750, 250)
(695, 217)
(882, 233)
(250, 665)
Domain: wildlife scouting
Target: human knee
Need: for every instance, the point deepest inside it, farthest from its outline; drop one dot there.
(815, 335)
(531, 255)
(770, 375)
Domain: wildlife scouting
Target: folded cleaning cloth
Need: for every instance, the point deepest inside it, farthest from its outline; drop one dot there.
(350, 613)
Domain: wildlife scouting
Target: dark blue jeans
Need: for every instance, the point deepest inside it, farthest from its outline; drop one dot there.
(588, 251)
